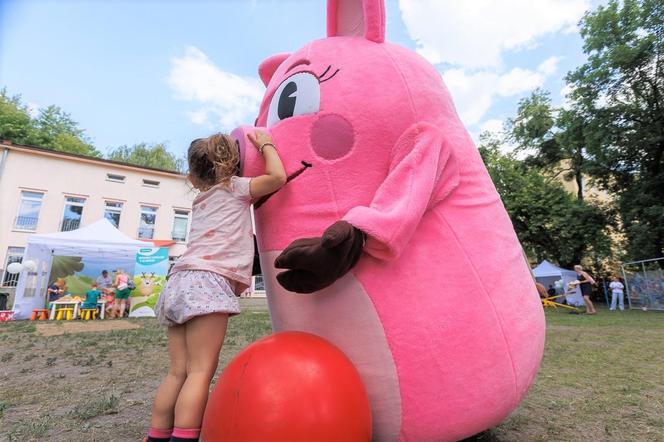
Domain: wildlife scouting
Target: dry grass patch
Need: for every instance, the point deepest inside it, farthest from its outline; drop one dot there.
(61, 328)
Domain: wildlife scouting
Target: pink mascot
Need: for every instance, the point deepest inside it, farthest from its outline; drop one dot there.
(390, 239)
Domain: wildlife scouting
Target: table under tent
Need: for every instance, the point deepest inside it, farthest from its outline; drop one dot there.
(547, 274)
(99, 240)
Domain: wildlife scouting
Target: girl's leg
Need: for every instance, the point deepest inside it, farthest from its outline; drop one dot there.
(204, 336)
(163, 407)
(116, 307)
(621, 300)
(589, 304)
(123, 306)
(614, 297)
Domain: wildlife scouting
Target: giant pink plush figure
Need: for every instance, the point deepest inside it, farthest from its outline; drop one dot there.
(440, 313)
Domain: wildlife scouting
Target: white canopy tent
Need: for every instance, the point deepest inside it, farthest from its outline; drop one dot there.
(100, 240)
(547, 274)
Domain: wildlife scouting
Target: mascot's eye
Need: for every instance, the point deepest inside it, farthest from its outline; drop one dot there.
(297, 95)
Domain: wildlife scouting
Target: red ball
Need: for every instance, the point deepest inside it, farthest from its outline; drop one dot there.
(289, 386)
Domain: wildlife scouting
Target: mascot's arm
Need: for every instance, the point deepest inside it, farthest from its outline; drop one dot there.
(423, 172)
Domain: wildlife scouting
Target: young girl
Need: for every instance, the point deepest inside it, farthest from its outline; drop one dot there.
(122, 292)
(200, 293)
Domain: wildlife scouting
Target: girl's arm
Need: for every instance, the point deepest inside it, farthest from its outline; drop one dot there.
(587, 278)
(275, 175)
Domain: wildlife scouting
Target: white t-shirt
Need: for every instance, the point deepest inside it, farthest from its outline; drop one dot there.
(617, 286)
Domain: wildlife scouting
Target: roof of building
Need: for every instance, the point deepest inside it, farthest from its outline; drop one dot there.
(52, 152)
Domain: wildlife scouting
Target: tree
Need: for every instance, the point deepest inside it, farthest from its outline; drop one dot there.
(148, 155)
(555, 136)
(550, 223)
(51, 129)
(15, 122)
(56, 129)
(621, 91)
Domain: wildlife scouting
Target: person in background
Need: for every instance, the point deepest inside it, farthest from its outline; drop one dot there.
(91, 297)
(122, 292)
(56, 291)
(551, 291)
(617, 293)
(104, 282)
(585, 282)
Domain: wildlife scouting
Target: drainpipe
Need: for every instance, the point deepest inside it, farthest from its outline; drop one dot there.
(3, 158)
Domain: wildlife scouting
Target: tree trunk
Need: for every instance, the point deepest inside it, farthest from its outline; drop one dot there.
(579, 183)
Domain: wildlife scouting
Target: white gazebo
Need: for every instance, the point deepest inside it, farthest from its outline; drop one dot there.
(100, 240)
(547, 274)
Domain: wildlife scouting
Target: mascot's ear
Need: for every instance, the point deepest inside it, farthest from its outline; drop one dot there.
(356, 18)
(269, 66)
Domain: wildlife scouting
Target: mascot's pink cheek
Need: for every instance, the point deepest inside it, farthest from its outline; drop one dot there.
(332, 137)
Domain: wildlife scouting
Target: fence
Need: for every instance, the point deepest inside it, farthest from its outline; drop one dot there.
(644, 282)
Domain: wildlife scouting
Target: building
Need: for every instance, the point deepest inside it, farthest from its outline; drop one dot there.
(43, 191)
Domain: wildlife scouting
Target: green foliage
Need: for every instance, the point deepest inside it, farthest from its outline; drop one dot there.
(51, 129)
(149, 155)
(550, 223)
(15, 122)
(620, 90)
(554, 136)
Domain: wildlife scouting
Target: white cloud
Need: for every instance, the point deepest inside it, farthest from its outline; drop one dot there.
(494, 125)
(475, 92)
(475, 33)
(549, 66)
(224, 99)
(470, 38)
(519, 80)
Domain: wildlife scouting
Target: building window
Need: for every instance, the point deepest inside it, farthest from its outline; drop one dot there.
(14, 254)
(71, 219)
(113, 212)
(28, 211)
(148, 218)
(115, 178)
(150, 183)
(180, 224)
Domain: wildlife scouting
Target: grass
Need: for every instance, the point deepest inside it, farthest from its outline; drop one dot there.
(601, 379)
(96, 406)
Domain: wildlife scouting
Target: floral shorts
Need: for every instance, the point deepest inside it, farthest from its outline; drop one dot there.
(191, 293)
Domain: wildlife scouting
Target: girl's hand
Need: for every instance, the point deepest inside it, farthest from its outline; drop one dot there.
(259, 139)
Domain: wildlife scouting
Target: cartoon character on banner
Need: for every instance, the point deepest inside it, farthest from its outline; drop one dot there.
(390, 240)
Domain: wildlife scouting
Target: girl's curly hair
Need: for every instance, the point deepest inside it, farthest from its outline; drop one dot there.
(212, 160)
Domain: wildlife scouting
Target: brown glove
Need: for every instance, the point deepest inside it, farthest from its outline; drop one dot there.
(315, 263)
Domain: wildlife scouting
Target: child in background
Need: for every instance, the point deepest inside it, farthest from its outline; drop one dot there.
(122, 291)
(617, 291)
(91, 297)
(56, 291)
(202, 286)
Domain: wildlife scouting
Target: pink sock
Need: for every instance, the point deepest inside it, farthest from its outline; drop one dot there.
(186, 433)
(158, 433)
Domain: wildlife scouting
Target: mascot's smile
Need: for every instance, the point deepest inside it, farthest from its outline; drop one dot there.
(291, 177)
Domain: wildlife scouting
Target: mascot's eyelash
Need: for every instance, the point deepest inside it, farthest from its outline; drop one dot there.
(320, 77)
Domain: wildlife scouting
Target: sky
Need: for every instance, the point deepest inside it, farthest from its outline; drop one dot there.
(174, 70)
